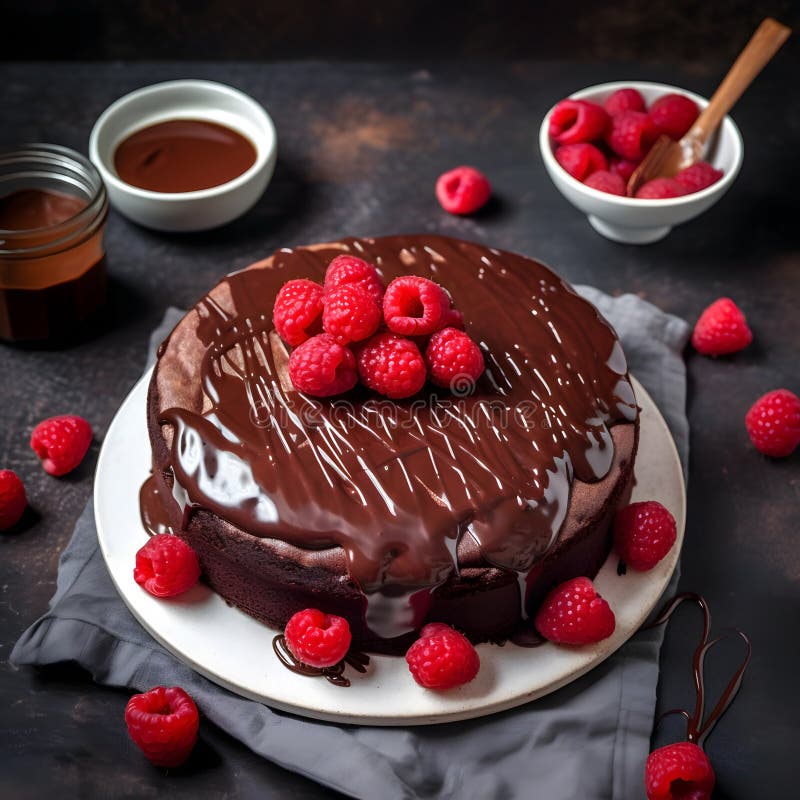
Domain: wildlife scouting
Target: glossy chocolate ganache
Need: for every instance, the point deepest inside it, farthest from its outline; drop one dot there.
(406, 498)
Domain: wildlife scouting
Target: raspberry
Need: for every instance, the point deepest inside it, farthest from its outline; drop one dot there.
(61, 443)
(316, 638)
(297, 310)
(573, 613)
(673, 114)
(605, 181)
(166, 566)
(463, 190)
(699, 176)
(573, 121)
(581, 160)
(624, 100)
(721, 329)
(350, 314)
(679, 771)
(622, 167)
(12, 499)
(321, 367)
(454, 360)
(660, 189)
(773, 423)
(643, 534)
(351, 270)
(630, 134)
(442, 658)
(415, 306)
(391, 365)
(163, 724)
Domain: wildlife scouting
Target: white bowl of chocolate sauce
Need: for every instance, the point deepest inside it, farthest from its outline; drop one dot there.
(184, 155)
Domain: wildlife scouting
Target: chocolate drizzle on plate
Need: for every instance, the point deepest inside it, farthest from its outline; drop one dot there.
(335, 674)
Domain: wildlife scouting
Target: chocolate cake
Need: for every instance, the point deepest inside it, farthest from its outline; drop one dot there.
(458, 507)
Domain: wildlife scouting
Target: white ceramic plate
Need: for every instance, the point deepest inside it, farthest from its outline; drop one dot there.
(235, 651)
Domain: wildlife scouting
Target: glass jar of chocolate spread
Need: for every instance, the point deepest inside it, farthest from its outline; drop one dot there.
(53, 210)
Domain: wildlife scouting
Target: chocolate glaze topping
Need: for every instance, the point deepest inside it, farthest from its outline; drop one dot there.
(335, 674)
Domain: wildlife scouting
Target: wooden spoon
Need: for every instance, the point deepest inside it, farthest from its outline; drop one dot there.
(667, 157)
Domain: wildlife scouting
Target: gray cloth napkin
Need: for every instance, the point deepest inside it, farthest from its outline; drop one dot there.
(588, 740)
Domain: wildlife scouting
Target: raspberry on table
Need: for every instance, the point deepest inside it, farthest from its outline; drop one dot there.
(463, 190)
(454, 360)
(317, 639)
(773, 423)
(679, 771)
(643, 534)
(391, 365)
(630, 134)
(12, 499)
(163, 724)
(61, 443)
(322, 367)
(350, 313)
(661, 189)
(721, 329)
(698, 176)
(574, 121)
(605, 181)
(574, 614)
(166, 566)
(346, 269)
(580, 160)
(415, 306)
(297, 311)
(673, 114)
(627, 99)
(442, 658)
(622, 167)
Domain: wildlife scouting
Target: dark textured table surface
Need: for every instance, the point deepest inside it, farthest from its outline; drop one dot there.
(360, 149)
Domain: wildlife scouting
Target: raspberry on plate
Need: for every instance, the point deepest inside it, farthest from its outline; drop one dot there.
(661, 189)
(317, 639)
(454, 360)
(350, 314)
(61, 443)
(163, 724)
(573, 613)
(773, 423)
(391, 365)
(605, 181)
(297, 311)
(346, 269)
(643, 534)
(442, 658)
(699, 176)
(322, 367)
(631, 134)
(166, 566)
(624, 100)
(678, 771)
(415, 306)
(463, 190)
(573, 121)
(673, 114)
(12, 499)
(622, 167)
(580, 160)
(721, 329)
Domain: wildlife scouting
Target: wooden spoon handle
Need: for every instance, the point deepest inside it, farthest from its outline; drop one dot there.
(763, 45)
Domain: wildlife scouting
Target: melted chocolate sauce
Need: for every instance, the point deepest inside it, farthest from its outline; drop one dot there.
(335, 674)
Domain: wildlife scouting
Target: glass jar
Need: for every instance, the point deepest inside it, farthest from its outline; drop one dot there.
(53, 211)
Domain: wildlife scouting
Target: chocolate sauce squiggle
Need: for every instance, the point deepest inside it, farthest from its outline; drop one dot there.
(335, 674)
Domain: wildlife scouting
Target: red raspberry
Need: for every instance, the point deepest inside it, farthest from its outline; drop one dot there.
(721, 329)
(581, 160)
(351, 270)
(660, 189)
(674, 114)
(630, 134)
(350, 314)
(163, 724)
(454, 360)
(321, 367)
(442, 658)
(61, 443)
(166, 566)
(573, 121)
(699, 176)
(643, 534)
(622, 167)
(624, 100)
(605, 181)
(573, 613)
(773, 423)
(391, 365)
(12, 499)
(316, 638)
(463, 190)
(679, 771)
(297, 310)
(415, 306)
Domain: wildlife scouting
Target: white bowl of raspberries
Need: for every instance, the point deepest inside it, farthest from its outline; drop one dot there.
(593, 140)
